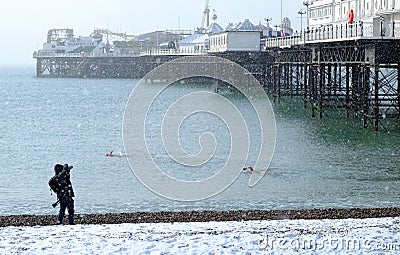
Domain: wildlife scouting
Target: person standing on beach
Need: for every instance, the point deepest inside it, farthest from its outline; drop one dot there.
(65, 193)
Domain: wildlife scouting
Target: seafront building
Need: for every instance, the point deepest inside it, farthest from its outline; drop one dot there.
(322, 12)
(369, 12)
(242, 37)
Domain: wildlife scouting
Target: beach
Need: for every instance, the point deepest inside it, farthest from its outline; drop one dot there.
(318, 231)
(327, 236)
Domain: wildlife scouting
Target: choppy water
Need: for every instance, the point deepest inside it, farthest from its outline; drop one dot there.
(332, 162)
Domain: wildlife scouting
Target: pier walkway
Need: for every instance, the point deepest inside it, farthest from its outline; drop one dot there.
(334, 33)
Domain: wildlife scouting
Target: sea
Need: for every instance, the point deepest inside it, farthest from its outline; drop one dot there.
(331, 162)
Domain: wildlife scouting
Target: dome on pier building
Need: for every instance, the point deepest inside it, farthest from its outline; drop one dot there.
(246, 26)
(214, 28)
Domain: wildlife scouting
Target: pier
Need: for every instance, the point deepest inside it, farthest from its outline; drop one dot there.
(347, 66)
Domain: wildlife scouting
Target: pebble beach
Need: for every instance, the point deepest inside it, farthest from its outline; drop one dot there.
(203, 216)
(319, 231)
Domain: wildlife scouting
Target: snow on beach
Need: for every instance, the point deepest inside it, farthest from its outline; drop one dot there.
(354, 236)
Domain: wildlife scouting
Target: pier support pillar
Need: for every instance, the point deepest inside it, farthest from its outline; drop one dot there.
(313, 82)
(321, 89)
(290, 79)
(277, 83)
(376, 99)
(216, 86)
(336, 77)
(355, 72)
(347, 90)
(306, 76)
(366, 88)
(298, 72)
(398, 89)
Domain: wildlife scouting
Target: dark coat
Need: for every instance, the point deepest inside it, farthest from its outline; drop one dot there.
(65, 186)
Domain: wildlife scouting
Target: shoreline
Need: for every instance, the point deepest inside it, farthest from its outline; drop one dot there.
(203, 216)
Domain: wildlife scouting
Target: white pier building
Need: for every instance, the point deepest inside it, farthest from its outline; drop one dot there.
(373, 12)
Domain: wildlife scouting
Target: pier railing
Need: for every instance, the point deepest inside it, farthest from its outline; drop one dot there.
(38, 54)
(171, 52)
(334, 32)
(174, 52)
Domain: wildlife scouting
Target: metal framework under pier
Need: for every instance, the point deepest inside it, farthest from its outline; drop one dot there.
(361, 76)
(85, 66)
(98, 67)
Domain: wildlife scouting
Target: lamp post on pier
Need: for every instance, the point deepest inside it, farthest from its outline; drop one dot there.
(276, 30)
(301, 12)
(281, 16)
(268, 19)
(307, 3)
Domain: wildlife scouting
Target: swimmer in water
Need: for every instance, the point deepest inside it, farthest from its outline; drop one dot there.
(251, 170)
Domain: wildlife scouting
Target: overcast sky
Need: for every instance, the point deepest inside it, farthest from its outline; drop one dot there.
(24, 23)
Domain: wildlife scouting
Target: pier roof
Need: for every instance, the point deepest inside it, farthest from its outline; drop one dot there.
(242, 26)
(247, 26)
(196, 38)
(214, 28)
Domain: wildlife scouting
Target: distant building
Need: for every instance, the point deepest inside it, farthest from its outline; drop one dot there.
(198, 42)
(241, 37)
(63, 41)
(287, 27)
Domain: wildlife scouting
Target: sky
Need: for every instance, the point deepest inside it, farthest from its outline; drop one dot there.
(24, 23)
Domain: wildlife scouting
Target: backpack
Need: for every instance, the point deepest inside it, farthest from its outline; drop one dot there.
(54, 184)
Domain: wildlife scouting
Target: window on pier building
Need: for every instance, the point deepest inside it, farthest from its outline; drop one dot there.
(321, 12)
